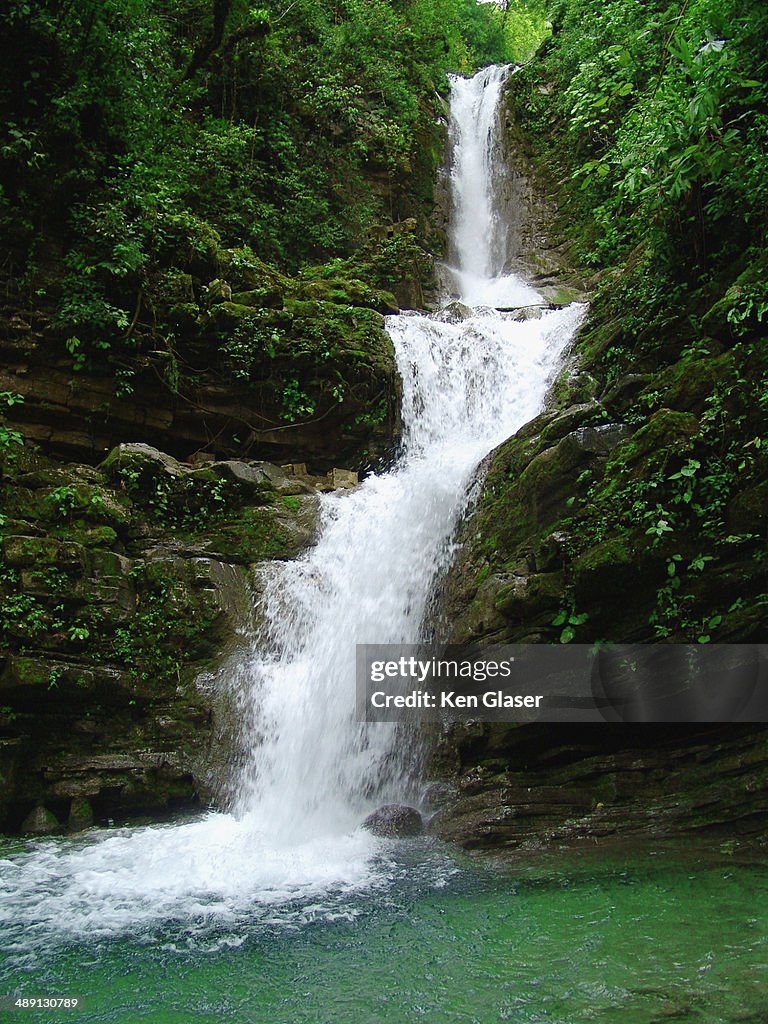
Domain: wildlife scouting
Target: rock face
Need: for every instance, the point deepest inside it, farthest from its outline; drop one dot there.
(632, 509)
(276, 375)
(120, 587)
(541, 785)
(394, 821)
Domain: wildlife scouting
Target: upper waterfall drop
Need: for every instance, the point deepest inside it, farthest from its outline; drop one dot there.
(477, 229)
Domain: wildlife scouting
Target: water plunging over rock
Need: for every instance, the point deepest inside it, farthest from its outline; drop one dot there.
(310, 771)
(471, 376)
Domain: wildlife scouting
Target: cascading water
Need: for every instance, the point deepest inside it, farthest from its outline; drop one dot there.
(478, 171)
(470, 379)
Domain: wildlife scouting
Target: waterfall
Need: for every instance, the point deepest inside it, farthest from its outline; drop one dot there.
(478, 226)
(467, 386)
(471, 377)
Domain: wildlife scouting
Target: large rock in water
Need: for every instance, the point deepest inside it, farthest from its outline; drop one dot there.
(394, 821)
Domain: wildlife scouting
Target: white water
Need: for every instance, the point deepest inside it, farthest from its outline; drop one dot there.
(478, 171)
(313, 771)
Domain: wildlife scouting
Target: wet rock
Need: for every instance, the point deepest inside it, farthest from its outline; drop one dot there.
(342, 479)
(522, 313)
(454, 312)
(394, 821)
(40, 822)
(439, 794)
(80, 815)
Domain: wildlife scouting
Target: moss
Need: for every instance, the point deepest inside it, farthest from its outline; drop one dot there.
(254, 536)
(607, 570)
(89, 536)
(260, 298)
(666, 432)
(173, 625)
(686, 385)
(346, 292)
(41, 551)
(226, 317)
(244, 271)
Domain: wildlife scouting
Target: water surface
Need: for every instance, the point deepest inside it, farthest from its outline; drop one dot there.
(615, 937)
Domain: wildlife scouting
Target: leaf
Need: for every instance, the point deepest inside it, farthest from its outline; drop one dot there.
(567, 635)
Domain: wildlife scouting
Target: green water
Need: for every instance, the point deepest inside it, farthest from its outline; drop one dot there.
(633, 937)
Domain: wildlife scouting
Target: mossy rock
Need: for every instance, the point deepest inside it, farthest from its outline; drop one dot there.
(595, 339)
(688, 383)
(226, 317)
(260, 534)
(608, 570)
(244, 271)
(345, 292)
(549, 480)
(184, 316)
(40, 822)
(748, 510)
(260, 298)
(141, 461)
(87, 502)
(23, 552)
(529, 595)
(666, 431)
(751, 281)
(89, 536)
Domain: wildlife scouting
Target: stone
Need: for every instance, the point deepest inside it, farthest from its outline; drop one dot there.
(284, 484)
(141, 457)
(80, 814)
(394, 821)
(342, 478)
(260, 298)
(522, 313)
(251, 476)
(201, 458)
(454, 312)
(217, 291)
(40, 822)
(23, 552)
(439, 794)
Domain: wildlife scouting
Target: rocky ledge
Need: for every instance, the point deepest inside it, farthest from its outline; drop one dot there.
(122, 588)
(539, 786)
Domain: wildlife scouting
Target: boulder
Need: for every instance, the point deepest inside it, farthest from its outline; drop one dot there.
(80, 814)
(40, 822)
(454, 312)
(394, 821)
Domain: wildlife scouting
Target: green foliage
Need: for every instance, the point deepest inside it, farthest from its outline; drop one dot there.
(9, 438)
(163, 635)
(246, 346)
(146, 132)
(657, 114)
(570, 620)
(296, 403)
